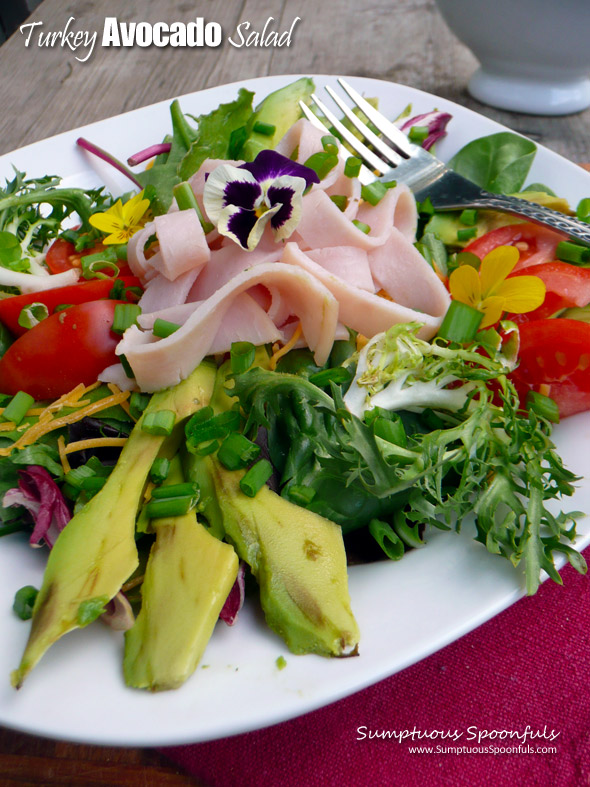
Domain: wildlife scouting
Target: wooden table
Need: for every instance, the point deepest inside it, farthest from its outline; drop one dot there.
(44, 91)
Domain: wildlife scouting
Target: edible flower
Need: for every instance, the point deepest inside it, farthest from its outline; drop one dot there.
(489, 289)
(122, 221)
(242, 200)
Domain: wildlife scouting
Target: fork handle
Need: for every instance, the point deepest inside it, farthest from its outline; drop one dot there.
(537, 213)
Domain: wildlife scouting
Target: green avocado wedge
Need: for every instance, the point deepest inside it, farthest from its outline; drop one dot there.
(188, 577)
(96, 552)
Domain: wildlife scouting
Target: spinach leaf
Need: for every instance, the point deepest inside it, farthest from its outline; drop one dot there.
(499, 162)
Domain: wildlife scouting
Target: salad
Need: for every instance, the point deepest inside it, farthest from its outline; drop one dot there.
(257, 361)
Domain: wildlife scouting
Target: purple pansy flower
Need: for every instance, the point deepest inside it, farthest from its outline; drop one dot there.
(242, 200)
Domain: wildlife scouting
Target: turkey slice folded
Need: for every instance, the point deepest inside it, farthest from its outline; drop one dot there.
(160, 363)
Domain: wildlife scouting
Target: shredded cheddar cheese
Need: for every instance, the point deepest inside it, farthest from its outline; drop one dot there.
(61, 447)
(95, 442)
(279, 352)
(114, 389)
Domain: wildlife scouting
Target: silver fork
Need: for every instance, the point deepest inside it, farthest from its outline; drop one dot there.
(423, 172)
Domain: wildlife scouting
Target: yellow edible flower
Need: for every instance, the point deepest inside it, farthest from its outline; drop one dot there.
(489, 289)
(122, 220)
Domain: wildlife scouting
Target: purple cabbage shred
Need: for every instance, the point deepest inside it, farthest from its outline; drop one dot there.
(41, 496)
(435, 121)
(234, 601)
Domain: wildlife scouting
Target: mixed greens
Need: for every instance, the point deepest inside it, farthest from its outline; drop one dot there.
(391, 436)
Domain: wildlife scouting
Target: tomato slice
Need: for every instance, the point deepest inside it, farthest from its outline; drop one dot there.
(70, 347)
(567, 286)
(536, 244)
(555, 353)
(93, 290)
(62, 256)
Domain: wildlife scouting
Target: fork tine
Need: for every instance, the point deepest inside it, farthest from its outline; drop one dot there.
(390, 154)
(313, 118)
(363, 151)
(391, 131)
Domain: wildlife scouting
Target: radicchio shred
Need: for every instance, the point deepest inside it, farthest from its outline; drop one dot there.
(41, 496)
(234, 601)
(435, 122)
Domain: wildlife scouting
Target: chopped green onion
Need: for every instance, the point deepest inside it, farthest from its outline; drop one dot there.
(186, 200)
(126, 366)
(330, 144)
(91, 609)
(159, 470)
(374, 192)
(77, 475)
(340, 200)
(434, 252)
(583, 210)
(170, 506)
(237, 138)
(207, 449)
(322, 163)
(93, 265)
(93, 483)
(256, 478)
(543, 406)
(338, 375)
(175, 490)
(360, 225)
(266, 129)
(418, 133)
(97, 466)
(202, 415)
(61, 307)
(124, 316)
(236, 451)
(572, 252)
(199, 430)
(24, 601)
(409, 534)
(242, 355)
(466, 234)
(460, 323)
(426, 207)
(163, 328)
(137, 403)
(387, 539)
(159, 422)
(352, 167)
(301, 495)
(32, 315)
(17, 408)
(468, 216)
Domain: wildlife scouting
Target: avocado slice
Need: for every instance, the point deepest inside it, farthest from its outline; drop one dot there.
(279, 109)
(96, 551)
(299, 561)
(188, 577)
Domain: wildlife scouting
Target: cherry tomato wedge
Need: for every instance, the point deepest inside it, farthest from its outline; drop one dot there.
(536, 244)
(555, 353)
(70, 347)
(62, 256)
(567, 286)
(93, 290)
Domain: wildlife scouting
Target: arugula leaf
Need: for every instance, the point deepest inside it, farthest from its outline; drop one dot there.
(215, 130)
(499, 162)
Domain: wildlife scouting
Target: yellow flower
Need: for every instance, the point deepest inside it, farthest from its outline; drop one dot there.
(491, 292)
(122, 221)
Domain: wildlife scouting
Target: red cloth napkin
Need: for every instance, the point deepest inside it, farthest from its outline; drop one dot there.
(528, 669)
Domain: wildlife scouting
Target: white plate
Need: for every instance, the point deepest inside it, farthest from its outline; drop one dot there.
(405, 610)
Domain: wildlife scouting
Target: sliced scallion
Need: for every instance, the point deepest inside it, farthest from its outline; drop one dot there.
(374, 192)
(360, 225)
(137, 403)
(256, 478)
(199, 430)
(163, 328)
(301, 495)
(330, 144)
(418, 133)
(409, 534)
(17, 408)
(468, 216)
(124, 316)
(352, 167)
(126, 366)
(237, 452)
(242, 355)
(340, 200)
(543, 406)
(170, 506)
(32, 315)
(322, 163)
(266, 129)
(572, 252)
(460, 323)
(175, 490)
(387, 539)
(159, 422)
(159, 470)
(583, 210)
(24, 601)
(466, 234)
